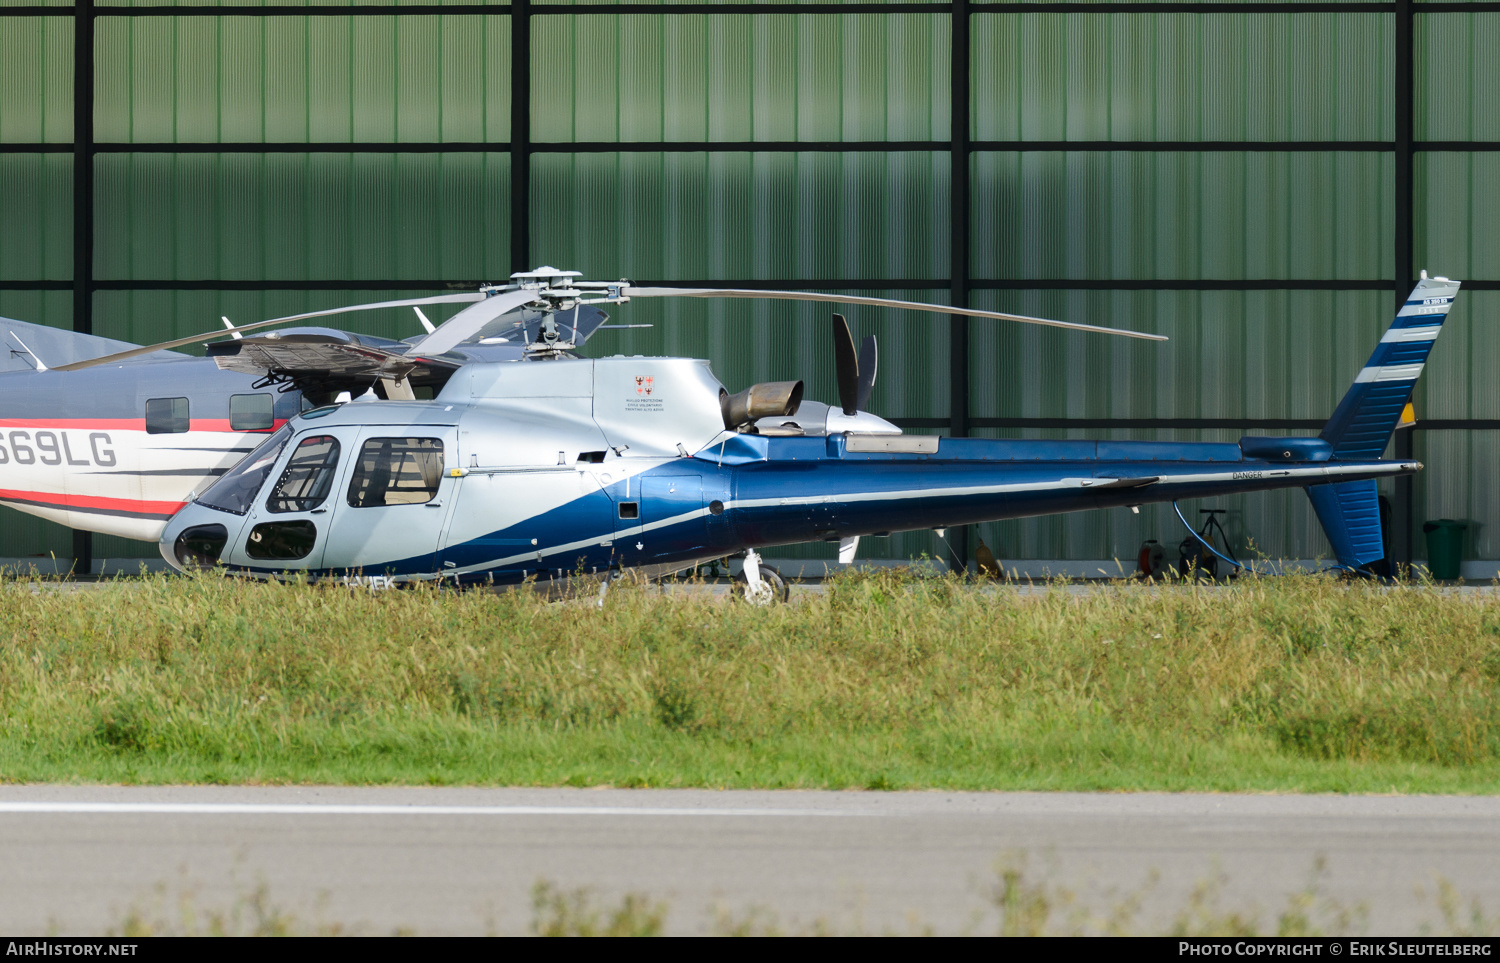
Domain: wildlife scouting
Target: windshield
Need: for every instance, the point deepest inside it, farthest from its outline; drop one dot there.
(236, 490)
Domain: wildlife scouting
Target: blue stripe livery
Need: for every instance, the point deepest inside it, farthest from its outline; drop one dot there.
(1362, 425)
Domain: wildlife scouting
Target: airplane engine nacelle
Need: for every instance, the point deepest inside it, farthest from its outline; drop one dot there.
(768, 400)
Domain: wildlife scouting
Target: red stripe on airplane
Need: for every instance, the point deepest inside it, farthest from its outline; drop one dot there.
(103, 424)
(93, 501)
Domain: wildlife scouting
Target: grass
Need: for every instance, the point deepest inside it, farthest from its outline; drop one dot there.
(885, 681)
(1016, 902)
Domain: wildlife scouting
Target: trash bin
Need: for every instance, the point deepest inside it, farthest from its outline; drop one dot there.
(1445, 546)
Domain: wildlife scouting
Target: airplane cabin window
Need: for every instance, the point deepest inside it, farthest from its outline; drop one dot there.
(166, 416)
(396, 471)
(308, 476)
(251, 412)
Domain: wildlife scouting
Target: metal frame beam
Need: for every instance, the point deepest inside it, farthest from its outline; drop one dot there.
(958, 245)
(83, 211)
(1127, 7)
(1403, 505)
(520, 136)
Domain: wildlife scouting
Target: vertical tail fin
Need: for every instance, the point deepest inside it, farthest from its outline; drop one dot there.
(1350, 515)
(1363, 422)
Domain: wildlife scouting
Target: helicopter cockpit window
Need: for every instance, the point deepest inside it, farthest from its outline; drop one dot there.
(396, 471)
(308, 476)
(237, 488)
(166, 416)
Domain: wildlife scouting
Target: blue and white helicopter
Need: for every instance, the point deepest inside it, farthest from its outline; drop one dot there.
(108, 436)
(543, 471)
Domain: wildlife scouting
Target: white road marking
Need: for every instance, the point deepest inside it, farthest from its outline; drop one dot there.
(338, 809)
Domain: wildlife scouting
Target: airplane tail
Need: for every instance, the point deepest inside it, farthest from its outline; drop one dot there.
(1362, 424)
(36, 347)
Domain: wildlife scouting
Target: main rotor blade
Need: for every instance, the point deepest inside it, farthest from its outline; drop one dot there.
(219, 333)
(847, 365)
(635, 292)
(470, 321)
(868, 359)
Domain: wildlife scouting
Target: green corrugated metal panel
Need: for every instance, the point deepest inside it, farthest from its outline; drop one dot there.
(36, 79)
(203, 79)
(1121, 215)
(248, 216)
(1463, 470)
(689, 77)
(53, 308)
(36, 211)
(1458, 77)
(742, 215)
(1183, 76)
(27, 536)
(1457, 220)
(1232, 354)
(1459, 381)
(149, 316)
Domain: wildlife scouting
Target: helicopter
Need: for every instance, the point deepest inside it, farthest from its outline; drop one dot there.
(589, 467)
(112, 437)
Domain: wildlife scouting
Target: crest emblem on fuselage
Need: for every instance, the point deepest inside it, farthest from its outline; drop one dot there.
(644, 384)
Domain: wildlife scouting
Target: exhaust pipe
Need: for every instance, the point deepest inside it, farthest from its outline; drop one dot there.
(760, 401)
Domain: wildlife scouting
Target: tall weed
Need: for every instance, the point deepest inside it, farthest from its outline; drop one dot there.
(883, 679)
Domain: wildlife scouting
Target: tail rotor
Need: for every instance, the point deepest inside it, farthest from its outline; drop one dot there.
(856, 371)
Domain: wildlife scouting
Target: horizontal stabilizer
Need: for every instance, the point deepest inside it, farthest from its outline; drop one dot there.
(1350, 515)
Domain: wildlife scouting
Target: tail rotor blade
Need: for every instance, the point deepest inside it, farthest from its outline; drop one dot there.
(848, 365)
(868, 361)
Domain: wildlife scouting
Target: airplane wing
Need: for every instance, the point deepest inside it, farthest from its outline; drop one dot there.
(323, 356)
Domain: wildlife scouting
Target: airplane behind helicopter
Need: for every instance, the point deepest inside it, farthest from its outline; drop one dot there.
(543, 471)
(116, 448)
(111, 437)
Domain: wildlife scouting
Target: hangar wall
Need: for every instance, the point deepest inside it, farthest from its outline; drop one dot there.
(1256, 184)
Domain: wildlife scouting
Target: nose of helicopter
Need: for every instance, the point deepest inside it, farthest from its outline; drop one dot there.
(193, 538)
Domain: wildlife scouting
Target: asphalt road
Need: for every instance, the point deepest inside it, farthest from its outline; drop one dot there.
(436, 860)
